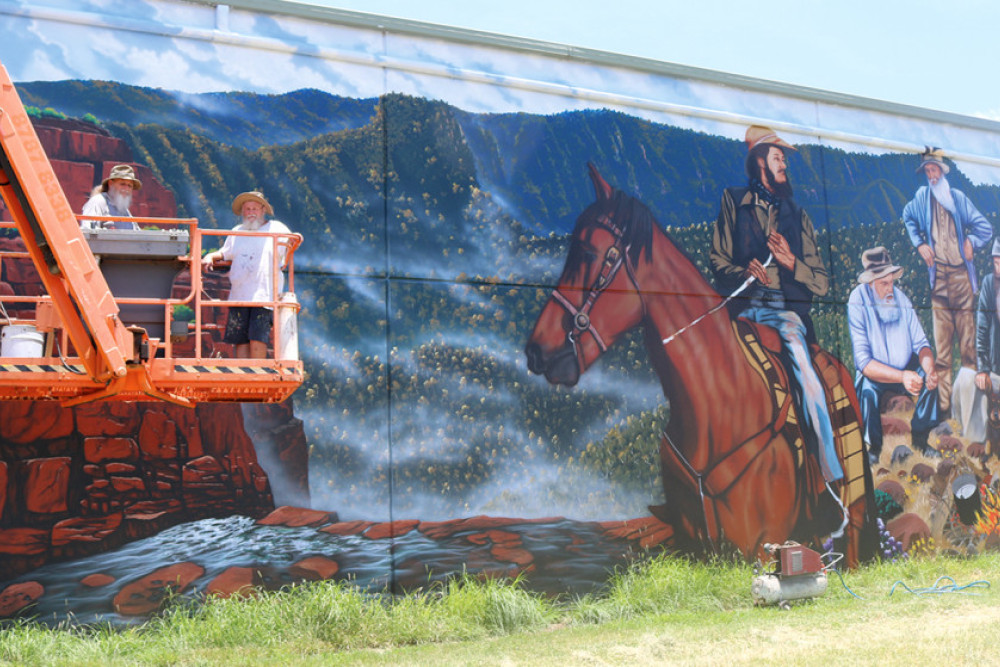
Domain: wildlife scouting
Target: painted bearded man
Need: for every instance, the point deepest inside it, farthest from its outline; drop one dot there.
(945, 228)
(891, 353)
(763, 240)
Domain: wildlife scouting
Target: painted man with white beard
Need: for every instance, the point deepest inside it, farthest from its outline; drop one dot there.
(249, 327)
(891, 352)
(946, 228)
(113, 198)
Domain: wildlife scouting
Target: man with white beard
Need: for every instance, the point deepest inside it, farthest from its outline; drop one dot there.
(250, 277)
(946, 228)
(891, 353)
(113, 198)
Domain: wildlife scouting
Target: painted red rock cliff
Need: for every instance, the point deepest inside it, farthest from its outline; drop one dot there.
(85, 480)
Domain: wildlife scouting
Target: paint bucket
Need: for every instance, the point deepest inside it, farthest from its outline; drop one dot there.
(967, 502)
(22, 341)
(288, 328)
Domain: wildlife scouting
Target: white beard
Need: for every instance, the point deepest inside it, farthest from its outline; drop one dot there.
(887, 309)
(253, 225)
(942, 192)
(120, 202)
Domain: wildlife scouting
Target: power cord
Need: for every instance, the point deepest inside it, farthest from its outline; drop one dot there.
(937, 588)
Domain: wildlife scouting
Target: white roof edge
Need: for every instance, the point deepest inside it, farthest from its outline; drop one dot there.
(597, 57)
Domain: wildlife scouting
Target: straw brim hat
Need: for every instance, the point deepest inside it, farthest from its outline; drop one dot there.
(123, 172)
(244, 197)
(758, 134)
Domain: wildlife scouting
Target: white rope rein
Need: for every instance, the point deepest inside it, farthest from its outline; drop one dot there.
(740, 289)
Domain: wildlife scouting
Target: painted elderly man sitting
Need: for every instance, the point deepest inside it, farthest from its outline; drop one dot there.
(891, 352)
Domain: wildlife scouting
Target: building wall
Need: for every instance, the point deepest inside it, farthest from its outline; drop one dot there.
(437, 177)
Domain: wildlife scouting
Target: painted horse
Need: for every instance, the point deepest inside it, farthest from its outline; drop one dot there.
(735, 469)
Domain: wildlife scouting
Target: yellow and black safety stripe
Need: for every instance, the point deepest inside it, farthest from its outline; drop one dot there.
(40, 368)
(231, 370)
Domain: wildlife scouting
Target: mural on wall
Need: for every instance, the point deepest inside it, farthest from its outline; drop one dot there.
(542, 342)
(736, 463)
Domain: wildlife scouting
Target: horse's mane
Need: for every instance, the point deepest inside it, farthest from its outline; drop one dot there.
(629, 214)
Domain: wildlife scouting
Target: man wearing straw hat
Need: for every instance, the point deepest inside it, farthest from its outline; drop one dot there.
(250, 278)
(113, 198)
(945, 228)
(764, 245)
(891, 352)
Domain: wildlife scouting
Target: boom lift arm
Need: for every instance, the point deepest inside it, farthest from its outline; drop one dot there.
(112, 360)
(53, 238)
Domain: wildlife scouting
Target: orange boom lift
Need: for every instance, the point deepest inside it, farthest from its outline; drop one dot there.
(102, 354)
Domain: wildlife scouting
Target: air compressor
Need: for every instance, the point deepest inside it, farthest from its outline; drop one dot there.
(799, 573)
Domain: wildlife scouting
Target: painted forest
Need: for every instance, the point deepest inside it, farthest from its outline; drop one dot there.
(433, 237)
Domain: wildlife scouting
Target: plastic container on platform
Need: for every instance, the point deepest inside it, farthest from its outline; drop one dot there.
(21, 341)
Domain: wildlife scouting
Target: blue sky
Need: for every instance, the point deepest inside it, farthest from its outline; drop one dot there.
(938, 54)
(904, 59)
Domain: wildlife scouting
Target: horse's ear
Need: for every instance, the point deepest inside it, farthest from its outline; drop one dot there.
(601, 187)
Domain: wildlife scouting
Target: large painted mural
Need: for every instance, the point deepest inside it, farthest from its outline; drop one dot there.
(556, 315)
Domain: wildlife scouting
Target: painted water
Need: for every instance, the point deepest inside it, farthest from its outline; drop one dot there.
(557, 556)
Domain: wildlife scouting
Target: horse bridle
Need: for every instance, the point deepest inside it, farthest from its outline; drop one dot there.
(614, 258)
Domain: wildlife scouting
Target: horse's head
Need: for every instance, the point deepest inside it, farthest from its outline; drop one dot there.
(598, 297)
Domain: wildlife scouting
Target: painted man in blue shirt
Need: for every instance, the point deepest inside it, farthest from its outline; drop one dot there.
(945, 228)
(891, 353)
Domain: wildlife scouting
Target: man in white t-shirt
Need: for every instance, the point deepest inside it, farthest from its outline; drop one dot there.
(250, 278)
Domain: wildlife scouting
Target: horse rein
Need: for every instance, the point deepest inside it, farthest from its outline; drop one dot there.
(736, 292)
(614, 258)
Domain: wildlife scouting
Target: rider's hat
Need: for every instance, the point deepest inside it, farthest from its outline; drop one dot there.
(758, 134)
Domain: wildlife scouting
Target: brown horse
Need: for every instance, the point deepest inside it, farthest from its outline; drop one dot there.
(735, 470)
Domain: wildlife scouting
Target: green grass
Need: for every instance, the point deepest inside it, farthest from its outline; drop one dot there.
(668, 609)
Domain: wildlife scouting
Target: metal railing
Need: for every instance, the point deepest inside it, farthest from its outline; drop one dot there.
(197, 298)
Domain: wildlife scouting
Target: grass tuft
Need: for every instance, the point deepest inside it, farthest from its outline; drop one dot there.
(335, 617)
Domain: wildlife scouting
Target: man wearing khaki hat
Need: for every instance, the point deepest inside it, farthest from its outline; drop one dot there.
(113, 198)
(891, 353)
(945, 228)
(765, 243)
(251, 275)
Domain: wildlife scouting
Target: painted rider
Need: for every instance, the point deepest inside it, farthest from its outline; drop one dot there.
(113, 198)
(891, 353)
(945, 228)
(765, 241)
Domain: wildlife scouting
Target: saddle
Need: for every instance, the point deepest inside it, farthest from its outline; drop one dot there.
(762, 346)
